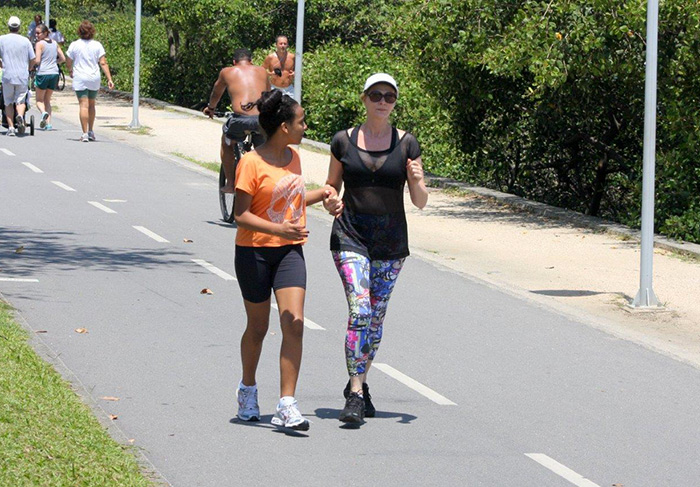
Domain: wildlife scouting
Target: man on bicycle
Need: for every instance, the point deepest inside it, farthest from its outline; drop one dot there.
(244, 82)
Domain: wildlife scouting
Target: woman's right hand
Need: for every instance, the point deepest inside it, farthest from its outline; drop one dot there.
(291, 230)
(332, 203)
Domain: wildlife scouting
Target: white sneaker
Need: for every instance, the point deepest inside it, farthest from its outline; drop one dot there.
(91, 135)
(288, 416)
(84, 138)
(248, 409)
(11, 132)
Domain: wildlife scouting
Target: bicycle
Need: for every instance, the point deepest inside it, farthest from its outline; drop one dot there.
(61, 79)
(227, 200)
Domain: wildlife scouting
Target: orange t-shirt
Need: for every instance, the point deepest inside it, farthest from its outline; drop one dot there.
(278, 195)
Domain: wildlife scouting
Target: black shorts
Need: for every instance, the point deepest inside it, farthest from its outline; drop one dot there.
(261, 269)
(237, 125)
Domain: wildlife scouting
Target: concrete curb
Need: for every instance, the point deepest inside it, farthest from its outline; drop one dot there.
(512, 201)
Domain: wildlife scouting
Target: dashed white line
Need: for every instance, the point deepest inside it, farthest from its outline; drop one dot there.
(307, 322)
(151, 234)
(62, 186)
(561, 470)
(17, 279)
(214, 270)
(114, 201)
(7, 152)
(32, 167)
(102, 207)
(414, 384)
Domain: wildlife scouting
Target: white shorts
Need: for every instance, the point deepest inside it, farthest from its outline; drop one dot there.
(287, 90)
(12, 93)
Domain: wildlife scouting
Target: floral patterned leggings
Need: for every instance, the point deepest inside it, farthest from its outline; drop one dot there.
(368, 285)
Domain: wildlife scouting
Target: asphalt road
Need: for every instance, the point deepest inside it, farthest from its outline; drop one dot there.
(513, 394)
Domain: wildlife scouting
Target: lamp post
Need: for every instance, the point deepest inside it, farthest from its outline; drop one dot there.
(137, 68)
(47, 9)
(645, 296)
(299, 52)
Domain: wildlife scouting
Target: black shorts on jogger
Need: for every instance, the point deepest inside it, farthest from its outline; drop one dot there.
(261, 269)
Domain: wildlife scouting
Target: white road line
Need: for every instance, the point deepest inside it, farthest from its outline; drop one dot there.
(32, 167)
(561, 470)
(214, 270)
(102, 207)
(7, 152)
(150, 234)
(307, 322)
(414, 384)
(17, 279)
(62, 186)
(114, 201)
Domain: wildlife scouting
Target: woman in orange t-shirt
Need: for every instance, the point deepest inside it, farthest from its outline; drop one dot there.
(270, 211)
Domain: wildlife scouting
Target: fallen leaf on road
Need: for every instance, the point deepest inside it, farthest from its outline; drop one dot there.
(131, 441)
(81, 330)
(109, 398)
(19, 249)
(113, 417)
(41, 331)
(617, 485)
(187, 240)
(549, 267)
(206, 291)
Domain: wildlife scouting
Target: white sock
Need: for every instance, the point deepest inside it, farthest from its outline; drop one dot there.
(286, 401)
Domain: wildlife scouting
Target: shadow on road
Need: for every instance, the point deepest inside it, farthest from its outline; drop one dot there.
(330, 413)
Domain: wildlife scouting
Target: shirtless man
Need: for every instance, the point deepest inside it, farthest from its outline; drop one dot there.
(244, 82)
(280, 67)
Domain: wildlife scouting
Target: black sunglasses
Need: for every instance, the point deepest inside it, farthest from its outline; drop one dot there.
(376, 96)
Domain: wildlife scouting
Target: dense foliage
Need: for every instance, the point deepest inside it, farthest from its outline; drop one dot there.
(539, 98)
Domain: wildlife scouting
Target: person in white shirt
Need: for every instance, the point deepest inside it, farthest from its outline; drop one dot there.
(56, 35)
(16, 59)
(84, 58)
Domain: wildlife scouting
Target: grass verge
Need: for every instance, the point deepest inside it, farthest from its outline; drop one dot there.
(48, 436)
(212, 166)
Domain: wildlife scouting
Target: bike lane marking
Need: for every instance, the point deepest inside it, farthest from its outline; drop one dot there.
(7, 152)
(561, 470)
(150, 234)
(414, 384)
(214, 270)
(62, 186)
(17, 279)
(102, 207)
(32, 167)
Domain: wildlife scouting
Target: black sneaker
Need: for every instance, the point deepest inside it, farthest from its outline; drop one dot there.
(19, 124)
(354, 409)
(370, 410)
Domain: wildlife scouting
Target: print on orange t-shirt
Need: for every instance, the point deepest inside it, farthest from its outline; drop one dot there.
(278, 196)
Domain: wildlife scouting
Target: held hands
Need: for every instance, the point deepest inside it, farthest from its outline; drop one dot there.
(415, 171)
(292, 230)
(332, 203)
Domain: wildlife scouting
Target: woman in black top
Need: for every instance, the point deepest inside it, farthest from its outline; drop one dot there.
(369, 239)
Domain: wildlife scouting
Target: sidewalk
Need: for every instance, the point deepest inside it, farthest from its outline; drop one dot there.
(583, 272)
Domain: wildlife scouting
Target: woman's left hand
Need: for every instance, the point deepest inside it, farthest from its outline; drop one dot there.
(415, 170)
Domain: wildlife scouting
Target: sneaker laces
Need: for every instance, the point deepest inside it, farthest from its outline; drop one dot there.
(291, 413)
(247, 399)
(355, 401)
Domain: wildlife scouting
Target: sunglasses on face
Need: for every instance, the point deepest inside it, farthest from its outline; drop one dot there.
(376, 96)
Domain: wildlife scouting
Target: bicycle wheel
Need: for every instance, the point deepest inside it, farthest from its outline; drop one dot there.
(61, 81)
(227, 200)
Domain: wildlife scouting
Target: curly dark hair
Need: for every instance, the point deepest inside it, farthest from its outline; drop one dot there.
(275, 108)
(86, 30)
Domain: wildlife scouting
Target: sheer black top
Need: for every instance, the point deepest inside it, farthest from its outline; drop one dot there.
(373, 222)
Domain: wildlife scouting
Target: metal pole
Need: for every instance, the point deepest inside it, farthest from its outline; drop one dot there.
(47, 9)
(645, 296)
(137, 68)
(299, 52)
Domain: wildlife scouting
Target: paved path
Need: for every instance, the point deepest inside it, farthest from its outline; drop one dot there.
(522, 394)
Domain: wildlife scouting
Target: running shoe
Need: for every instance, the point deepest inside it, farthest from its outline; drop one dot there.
(91, 135)
(248, 409)
(370, 410)
(11, 132)
(289, 417)
(354, 410)
(44, 119)
(19, 124)
(84, 138)
(48, 127)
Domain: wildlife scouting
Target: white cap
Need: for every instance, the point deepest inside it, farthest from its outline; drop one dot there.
(381, 78)
(14, 22)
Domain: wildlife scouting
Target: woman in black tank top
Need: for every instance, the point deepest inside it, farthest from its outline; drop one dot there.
(369, 239)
